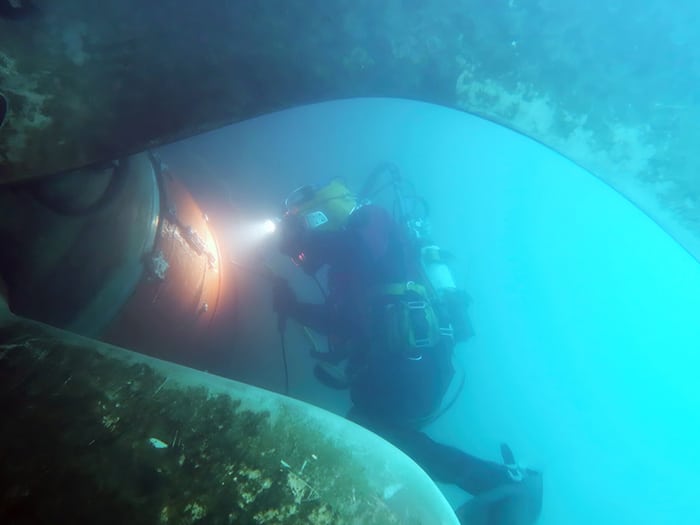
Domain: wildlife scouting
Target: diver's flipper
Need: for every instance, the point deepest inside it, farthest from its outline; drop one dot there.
(516, 503)
(507, 454)
(331, 375)
(514, 470)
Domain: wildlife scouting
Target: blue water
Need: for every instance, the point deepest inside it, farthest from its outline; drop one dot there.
(586, 353)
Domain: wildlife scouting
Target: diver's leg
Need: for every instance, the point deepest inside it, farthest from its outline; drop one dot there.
(503, 494)
(514, 503)
(445, 463)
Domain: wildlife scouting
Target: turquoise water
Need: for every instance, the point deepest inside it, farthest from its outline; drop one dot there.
(585, 310)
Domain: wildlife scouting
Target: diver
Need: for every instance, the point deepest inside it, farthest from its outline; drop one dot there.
(393, 329)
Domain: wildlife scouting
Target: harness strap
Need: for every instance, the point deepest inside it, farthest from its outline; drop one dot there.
(411, 322)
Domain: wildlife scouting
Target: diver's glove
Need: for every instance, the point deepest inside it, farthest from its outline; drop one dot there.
(291, 234)
(284, 300)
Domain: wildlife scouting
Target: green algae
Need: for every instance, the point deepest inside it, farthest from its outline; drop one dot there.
(94, 438)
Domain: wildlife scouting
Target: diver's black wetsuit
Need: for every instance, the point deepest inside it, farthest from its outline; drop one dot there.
(390, 393)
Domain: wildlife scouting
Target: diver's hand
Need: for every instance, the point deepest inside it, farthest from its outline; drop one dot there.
(284, 300)
(290, 236)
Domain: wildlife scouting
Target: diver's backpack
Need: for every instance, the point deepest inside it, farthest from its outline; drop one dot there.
(410, 317)
(404, 321)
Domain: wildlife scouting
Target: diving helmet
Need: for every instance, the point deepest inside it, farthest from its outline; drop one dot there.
(313, 208)
(322, 208)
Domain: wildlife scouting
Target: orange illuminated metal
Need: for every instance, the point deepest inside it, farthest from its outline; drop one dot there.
(177, 300)
(121, 252)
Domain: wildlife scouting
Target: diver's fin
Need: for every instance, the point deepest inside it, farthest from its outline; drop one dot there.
(331, 375)
(507, 454)
(514, 470)
(516, 503)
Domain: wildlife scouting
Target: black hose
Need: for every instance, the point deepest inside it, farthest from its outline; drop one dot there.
(320, 287)
(4, 109)
(450, 403)
(65, 207)
(370, 188)
(284, 361)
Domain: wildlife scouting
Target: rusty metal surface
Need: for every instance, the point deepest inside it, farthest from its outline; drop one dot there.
(176, 301)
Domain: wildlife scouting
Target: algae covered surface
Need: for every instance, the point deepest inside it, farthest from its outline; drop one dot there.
(95, 438)
(611, 87)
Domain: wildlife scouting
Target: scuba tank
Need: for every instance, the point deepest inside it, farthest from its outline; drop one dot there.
(412, 212)
(436, 269)
(452, 302)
